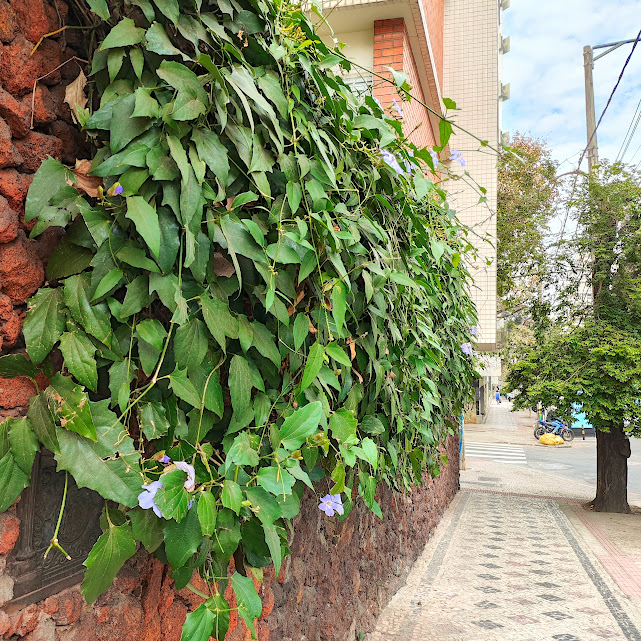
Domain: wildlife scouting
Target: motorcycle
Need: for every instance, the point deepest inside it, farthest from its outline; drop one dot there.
(554, 426)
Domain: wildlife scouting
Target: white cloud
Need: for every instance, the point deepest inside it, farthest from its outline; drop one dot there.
(545, 70)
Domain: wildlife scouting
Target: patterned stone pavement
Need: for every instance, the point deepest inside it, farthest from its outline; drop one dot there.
(508, 568)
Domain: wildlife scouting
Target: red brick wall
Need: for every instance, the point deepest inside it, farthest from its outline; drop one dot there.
(339, 574)
(26, 138)
(392, 49)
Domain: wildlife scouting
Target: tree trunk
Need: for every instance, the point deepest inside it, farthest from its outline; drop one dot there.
(612, 453)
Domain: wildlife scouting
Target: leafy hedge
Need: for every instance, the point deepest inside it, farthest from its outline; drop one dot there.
(268, 293)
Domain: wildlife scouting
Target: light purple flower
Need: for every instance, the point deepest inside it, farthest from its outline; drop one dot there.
(147, 496)
(331, 503)
(409, 167)
(392, 161)
(190, 483)
(474, 330)
(398, 108)
(165, 459)
(434, 155)
(118, 190)
(378, 102)
(458, 157)
(466, 348)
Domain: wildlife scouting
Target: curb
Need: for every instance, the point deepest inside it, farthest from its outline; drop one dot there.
(557, 446)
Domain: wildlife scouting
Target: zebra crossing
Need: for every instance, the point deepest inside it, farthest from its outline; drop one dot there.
(513, 454)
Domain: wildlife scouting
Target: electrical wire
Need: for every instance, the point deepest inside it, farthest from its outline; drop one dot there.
(634, 123)
(625, 64)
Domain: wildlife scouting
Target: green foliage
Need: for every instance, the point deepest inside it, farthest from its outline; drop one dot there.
(527, 197)
(267, 303)
(108, 555)
(594, 362)
(596, 366)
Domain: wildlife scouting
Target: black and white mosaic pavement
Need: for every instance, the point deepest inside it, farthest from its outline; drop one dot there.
(507, 568)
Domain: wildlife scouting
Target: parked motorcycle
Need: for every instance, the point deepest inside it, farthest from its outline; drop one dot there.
(555, 426)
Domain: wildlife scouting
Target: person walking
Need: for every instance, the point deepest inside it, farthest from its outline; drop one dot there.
(498, 395)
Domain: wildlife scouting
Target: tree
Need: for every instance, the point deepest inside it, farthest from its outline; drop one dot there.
(597, 363)
(527, 190)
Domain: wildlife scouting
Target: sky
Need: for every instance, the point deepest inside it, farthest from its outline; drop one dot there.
(545, 70)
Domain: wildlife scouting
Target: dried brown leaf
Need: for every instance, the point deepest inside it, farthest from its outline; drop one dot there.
(75, 95)
(312, 329)
(292, 308)
(91, 185)
(222, 267)
(352, 348)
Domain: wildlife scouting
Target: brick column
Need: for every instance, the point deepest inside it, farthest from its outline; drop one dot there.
(392, 49)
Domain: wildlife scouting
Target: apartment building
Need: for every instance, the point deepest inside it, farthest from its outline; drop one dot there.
(448, 49)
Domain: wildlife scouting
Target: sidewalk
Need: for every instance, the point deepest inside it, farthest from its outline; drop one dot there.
(502, 428)
(518, 557)
(510, 568)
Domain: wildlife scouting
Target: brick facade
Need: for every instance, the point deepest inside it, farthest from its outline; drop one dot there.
(392, 49)
(434, 11)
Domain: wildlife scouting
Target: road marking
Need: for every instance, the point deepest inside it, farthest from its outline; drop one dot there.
(513, 454)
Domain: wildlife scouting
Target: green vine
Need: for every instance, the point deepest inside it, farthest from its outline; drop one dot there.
(265, 293)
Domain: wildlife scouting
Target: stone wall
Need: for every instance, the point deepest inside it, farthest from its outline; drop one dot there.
(35, 122)
(332, 587)
(339, 575)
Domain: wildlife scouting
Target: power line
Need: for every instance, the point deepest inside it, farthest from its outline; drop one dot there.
(634, 123)
(627, 60)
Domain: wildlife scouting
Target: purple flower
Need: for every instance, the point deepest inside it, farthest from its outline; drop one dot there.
(147, 496)
(474, 330)
(398, 108)
(434, 155)
(458, 157)
(331, 503)
(409, 167)
(190, 483)
(466, 348)
(118, 190)
(378, 102)
(392, 161)
(165, 459)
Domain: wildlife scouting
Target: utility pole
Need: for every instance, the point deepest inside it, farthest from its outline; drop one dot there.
(590, 117)
(588, 65)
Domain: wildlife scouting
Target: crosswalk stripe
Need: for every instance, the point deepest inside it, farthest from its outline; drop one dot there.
(513, 454)
(491, 448)
(495, 452)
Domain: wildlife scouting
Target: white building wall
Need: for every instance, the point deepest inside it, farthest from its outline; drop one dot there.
(471, 77)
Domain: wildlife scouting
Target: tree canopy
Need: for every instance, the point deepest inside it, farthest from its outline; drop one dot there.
(527, 190)
(594, 361)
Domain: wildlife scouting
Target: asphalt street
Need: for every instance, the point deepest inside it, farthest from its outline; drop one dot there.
(579, 461)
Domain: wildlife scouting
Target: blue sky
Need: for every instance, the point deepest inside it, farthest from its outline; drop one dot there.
(545, 70)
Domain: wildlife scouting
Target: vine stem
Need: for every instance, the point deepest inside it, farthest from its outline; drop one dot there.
(197, 591)
(54, 539)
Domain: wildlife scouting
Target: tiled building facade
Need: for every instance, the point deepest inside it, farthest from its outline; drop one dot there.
(471, 76)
